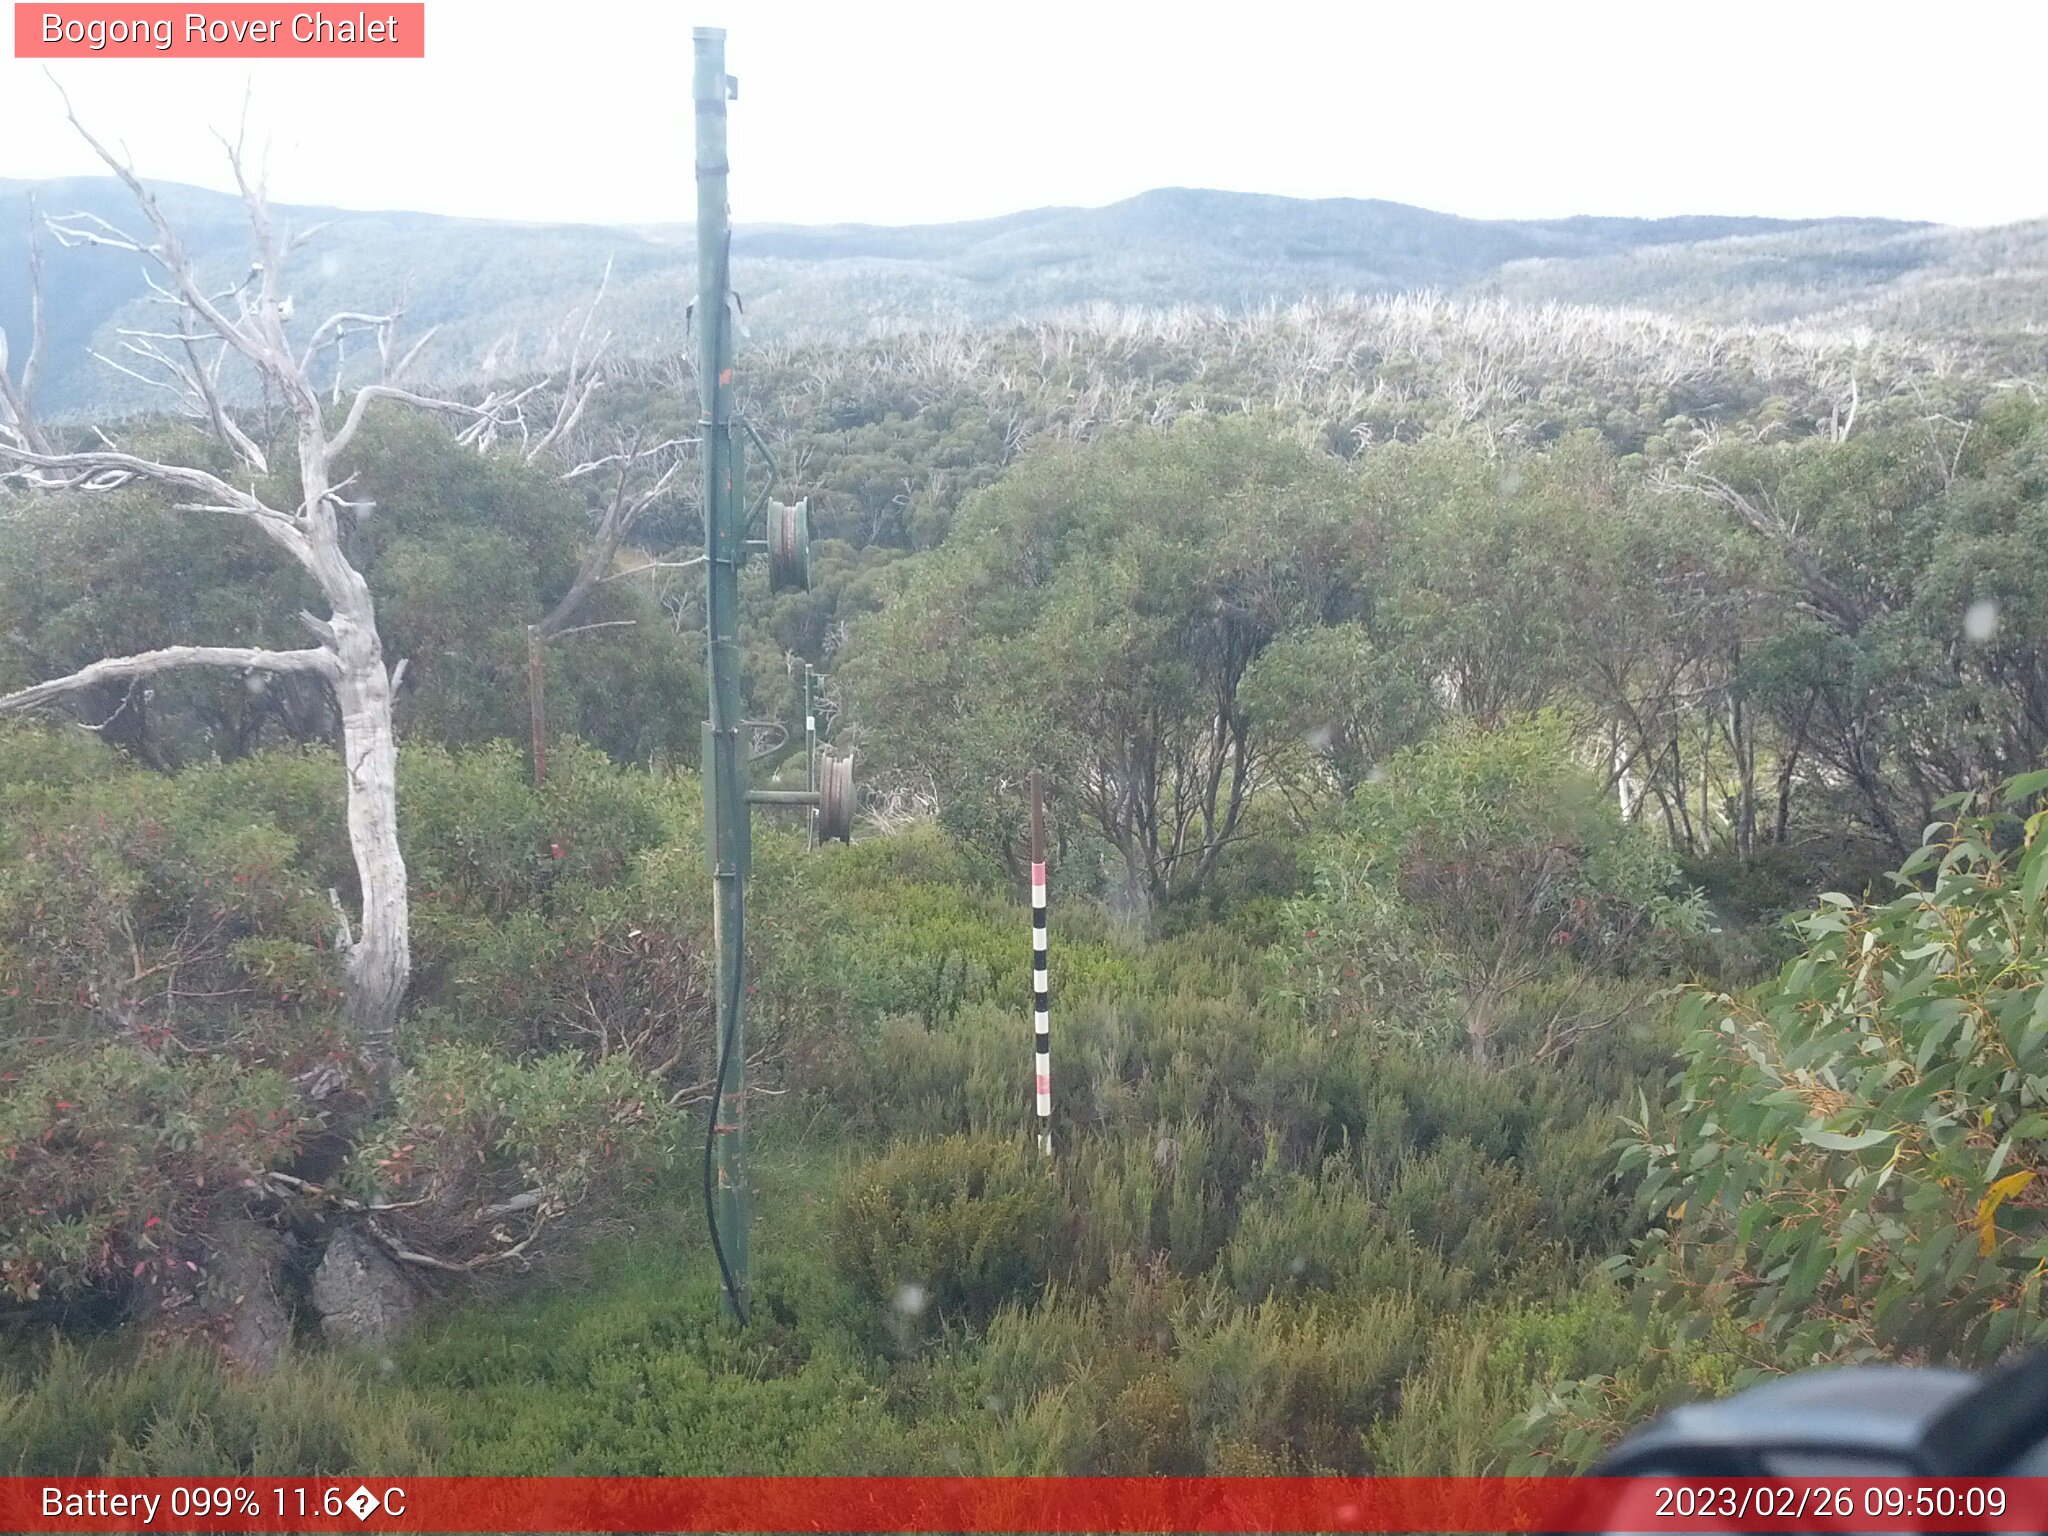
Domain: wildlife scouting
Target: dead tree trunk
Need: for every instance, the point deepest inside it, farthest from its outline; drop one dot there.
(247, 325)
(17, 400)
(379, 960)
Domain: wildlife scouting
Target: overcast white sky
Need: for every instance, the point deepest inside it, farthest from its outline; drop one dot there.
(890, 111)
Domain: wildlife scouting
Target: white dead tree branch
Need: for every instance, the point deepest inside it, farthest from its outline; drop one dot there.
(585, 377)
(1842, 412)
(17, 399)
(247, 323)
(114, 669)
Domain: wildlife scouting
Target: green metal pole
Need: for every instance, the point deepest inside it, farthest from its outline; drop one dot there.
(724, 549)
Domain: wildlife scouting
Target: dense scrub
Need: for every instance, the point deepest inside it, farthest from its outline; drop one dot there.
(1255, 1223)
(1436, 732)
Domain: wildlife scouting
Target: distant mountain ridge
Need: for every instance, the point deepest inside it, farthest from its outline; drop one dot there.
(1352, 230)
(499, 291)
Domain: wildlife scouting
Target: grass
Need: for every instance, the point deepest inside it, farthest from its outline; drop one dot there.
(634, 1371)
(1306, 1322)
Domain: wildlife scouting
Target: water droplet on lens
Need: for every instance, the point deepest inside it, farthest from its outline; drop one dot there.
(1980, 622)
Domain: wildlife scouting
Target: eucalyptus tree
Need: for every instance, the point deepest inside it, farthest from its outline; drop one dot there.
(1906, 566)
(1096, 613)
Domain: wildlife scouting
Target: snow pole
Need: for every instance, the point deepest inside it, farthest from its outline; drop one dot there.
(1041, 995)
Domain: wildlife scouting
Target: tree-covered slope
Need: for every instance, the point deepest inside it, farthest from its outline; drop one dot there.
(1866, 273)
(499, 292)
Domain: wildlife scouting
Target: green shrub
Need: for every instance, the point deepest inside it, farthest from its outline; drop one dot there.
(949, 1230)
(1582, 1202)
(480, 838)
(1300, 1382)
(1478, 864)
(1159, 1373)
(481, 1155)
(1546, 1383)
(1147, 1431)
(1478, 1216)
(1309, 1234)
(1146, 1193)
(116, 1163)
(1604, 1364)
(164, 975)
(1858, 1146)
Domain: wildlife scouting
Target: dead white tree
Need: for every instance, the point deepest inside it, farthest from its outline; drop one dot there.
(17, 398)
(245, 325)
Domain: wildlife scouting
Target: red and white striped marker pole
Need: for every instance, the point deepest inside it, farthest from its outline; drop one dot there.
(1041, 994)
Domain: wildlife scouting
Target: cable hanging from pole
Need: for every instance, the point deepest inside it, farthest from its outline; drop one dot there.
(734, 1288)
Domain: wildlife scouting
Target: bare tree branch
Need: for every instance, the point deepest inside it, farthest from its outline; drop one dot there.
(495, 411)
(169, 253)
(582, 629)
(17, 403)
(585, 377)
(628, 502)
(628, 457)
(149, 663)
(337, 325)
(653, 565)
(110, 469)
(249, 320)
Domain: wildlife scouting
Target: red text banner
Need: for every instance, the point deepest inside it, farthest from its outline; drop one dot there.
(229, 31)
(1022, 1504)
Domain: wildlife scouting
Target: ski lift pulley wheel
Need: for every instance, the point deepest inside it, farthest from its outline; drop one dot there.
(836, 798)
(789, 547)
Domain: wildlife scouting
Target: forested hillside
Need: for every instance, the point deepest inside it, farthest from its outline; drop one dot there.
(499, 292)
(1547, 874)
(1922, 279)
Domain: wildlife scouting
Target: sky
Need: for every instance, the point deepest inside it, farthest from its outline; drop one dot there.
(895, 112)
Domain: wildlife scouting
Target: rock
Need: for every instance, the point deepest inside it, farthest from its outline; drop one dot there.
(361, 1294)
(232, 1294)
(257, 1325)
